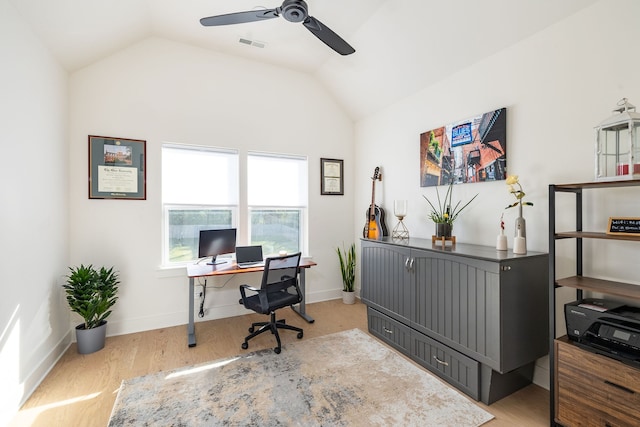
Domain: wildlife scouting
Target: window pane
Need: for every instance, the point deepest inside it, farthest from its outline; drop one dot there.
(199, 176)
(184, 230)
(276, 230)
(276, 180)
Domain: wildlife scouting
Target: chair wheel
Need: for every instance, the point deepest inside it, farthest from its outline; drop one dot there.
(251, 330)
(299, 335)
(277, 350)
(245, 346)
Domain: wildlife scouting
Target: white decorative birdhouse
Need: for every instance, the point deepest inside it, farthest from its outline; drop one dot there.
(618, 145)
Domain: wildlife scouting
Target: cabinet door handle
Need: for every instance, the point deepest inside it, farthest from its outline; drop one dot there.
(440, 362)
(411, 264)
(619, 387)
(389, 331)
(406, 263)
(505, 268)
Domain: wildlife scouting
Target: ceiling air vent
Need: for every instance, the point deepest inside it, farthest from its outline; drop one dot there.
(253, 43)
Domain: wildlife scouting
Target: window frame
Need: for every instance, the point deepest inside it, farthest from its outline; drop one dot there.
(303, 231)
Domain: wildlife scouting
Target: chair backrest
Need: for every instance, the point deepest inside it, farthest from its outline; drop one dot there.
(278, 269)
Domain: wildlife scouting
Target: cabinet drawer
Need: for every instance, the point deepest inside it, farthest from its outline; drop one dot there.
(452, 366)
(389, 330)
(594, 390)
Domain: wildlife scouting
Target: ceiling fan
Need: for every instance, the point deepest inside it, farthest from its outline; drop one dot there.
(292, 11)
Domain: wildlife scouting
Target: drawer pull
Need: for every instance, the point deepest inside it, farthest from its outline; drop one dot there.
(441, 362)
(389, 331)
(628, 390)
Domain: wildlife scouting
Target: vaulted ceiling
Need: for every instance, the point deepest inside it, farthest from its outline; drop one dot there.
(401, 45)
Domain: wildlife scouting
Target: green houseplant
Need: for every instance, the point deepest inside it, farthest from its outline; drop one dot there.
(445, 213)
(91, 293)
(348, 270)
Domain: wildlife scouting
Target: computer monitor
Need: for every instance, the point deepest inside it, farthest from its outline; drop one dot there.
(216, 242)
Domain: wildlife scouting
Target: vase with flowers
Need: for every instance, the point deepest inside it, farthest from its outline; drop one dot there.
(501, 241)
(516, 189)
(445, 212)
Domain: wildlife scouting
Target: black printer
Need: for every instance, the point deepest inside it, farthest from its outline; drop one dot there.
(605, 327)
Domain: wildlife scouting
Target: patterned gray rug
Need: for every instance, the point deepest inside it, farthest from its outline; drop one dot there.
(343, 379)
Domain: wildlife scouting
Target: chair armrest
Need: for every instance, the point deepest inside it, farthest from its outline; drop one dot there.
(243, 290)
(251, 288)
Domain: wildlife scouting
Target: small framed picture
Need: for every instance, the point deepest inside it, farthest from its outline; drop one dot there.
(621, 226)
(331, 177)
(117, 168)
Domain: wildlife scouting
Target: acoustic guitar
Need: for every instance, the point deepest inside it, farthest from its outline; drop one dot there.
(375, 227)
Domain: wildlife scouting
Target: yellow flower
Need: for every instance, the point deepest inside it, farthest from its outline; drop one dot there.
(512, 179)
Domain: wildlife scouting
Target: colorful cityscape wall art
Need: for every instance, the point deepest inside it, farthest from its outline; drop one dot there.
(470, 150)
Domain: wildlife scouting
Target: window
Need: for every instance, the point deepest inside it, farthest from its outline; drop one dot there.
(277, 200)
(199, 191)
(201, 188)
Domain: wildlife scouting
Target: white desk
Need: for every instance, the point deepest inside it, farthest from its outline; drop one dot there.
(195, 271)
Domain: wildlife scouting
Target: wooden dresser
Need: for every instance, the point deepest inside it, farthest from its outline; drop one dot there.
(594, 390)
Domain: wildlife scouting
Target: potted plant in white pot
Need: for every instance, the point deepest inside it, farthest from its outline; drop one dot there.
(91, 293)
(348, 270)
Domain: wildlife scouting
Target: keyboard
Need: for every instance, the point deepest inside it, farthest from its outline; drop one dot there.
(251, 264)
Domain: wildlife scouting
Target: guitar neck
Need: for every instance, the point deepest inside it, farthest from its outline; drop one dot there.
(373, 197)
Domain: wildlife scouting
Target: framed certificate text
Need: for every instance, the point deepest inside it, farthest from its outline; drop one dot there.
(331, 177)
(117, 168)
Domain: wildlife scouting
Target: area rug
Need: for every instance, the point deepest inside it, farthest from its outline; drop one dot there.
(343, 379)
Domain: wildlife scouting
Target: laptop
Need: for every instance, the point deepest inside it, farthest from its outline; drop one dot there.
(249, 256)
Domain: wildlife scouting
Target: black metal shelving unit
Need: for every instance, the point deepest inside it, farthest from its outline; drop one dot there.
(579, 282)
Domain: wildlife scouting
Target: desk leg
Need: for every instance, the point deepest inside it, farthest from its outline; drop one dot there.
(191, 328)
(302, 311)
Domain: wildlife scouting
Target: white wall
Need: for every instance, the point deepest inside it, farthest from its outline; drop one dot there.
(34, 325)
(557, 86)
(161, 91)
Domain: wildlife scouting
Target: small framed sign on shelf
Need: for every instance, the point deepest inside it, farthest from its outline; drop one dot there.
(331, 177)
(117, 168)
(629, 226)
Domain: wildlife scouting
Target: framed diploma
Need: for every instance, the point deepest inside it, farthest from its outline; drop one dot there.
(117, 168)
(331, 177)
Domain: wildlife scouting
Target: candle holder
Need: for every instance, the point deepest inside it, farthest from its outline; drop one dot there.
(400, 231)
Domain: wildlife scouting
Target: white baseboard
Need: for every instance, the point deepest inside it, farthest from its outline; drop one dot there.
(38, 374)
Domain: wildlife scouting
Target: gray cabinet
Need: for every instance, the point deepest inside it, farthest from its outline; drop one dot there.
(475, 316)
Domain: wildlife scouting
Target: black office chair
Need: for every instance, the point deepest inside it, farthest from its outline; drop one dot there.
(279, 289)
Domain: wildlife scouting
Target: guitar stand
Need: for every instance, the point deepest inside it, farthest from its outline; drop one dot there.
(443, 240)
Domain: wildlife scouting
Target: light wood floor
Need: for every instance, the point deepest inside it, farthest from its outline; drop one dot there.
(81, 389)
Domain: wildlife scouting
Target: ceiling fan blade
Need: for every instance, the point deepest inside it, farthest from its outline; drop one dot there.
(330, 38)
(239, 17)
